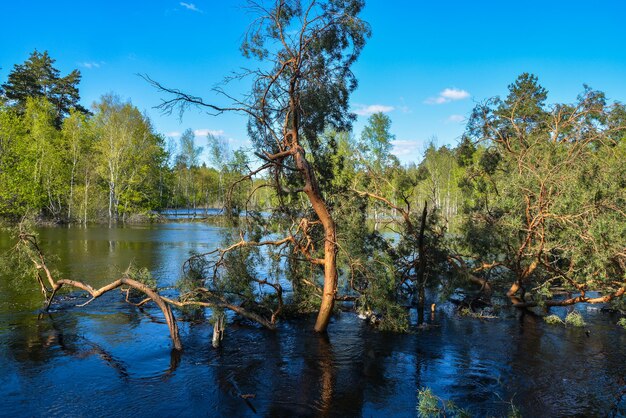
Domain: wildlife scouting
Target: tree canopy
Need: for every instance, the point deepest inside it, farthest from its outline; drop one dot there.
(37, 77)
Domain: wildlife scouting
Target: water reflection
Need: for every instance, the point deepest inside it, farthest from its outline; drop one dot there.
(111, 359)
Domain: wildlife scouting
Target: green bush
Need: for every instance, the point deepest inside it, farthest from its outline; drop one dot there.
(575, 319)
(142, 275)
(553, 320)
(431, 406)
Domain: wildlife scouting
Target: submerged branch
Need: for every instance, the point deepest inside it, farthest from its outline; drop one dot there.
(30, 245)
(518, 303)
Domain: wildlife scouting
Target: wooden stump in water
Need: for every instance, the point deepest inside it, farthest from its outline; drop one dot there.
(218, 331)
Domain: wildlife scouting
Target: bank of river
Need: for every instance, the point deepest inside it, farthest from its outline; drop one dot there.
(110, 359)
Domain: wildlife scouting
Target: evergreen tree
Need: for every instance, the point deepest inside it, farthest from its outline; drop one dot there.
(37, 77)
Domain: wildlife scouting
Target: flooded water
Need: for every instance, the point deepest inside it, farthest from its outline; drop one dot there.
(190, 213)
(110, 359)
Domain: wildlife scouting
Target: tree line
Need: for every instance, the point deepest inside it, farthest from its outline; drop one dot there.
(62, 162)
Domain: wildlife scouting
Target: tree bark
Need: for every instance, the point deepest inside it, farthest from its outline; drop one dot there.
(421, 281)
(154, 296)
(312, 191)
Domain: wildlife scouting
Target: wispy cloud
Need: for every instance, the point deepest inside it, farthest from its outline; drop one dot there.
(191, 6)
(91, 64)
(455, 118)
(207, 132)
(173, 134)
(404, 147)
(403, 107)
(367, 110)
(448, 95)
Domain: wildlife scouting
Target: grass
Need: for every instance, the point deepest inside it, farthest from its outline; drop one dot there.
(553, 320)
(467, 312)
(575, 319)
(431, 406)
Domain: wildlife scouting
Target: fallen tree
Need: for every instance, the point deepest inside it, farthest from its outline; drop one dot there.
(198, 297)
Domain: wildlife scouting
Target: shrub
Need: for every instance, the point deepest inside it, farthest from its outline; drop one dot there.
(575, 319)
(553, 320)
(431, 406)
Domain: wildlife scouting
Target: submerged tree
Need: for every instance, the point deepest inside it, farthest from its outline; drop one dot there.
(301, 88)
(414, 251)
(546, 195)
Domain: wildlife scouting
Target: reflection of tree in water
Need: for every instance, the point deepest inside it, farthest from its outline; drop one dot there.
(35, 342)
(302, 388)
(330, 376)
(31, 340)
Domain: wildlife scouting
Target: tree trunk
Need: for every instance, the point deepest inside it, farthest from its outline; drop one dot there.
(111, 200)
(330, 276)
(312, 191)
(421, 302)
(86, 196)
(71, 199)
(218, 331)
(421, 272)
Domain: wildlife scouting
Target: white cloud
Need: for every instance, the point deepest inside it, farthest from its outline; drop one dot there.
(448, 95)
(455, 94)
(436, 100)
(364, 110)
(403, 147)
(456, 118)
(190, 6)
(91, 64)
(173, 134)
(207, 132)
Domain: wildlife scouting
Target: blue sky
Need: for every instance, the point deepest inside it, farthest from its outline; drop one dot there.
(426, 64)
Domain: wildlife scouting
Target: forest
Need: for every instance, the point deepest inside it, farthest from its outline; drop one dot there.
(531, 201)
(527, 211)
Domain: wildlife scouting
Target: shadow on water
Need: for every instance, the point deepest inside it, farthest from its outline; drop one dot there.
(112, 359)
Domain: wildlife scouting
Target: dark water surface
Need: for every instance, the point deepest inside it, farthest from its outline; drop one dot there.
(110, 359)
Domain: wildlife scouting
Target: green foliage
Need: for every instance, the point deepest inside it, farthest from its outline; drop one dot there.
(553, 320)
(575, 319)
(376, 143)
(131, 157)
(37, 78)
(622, 323)
(64, 169)
(431, 406)
(543, 188)
(142, 275)
(331, 43)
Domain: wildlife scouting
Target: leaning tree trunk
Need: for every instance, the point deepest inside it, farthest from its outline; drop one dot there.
(312, 191)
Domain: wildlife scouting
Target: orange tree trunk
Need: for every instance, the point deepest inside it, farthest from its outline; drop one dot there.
(312, 191)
